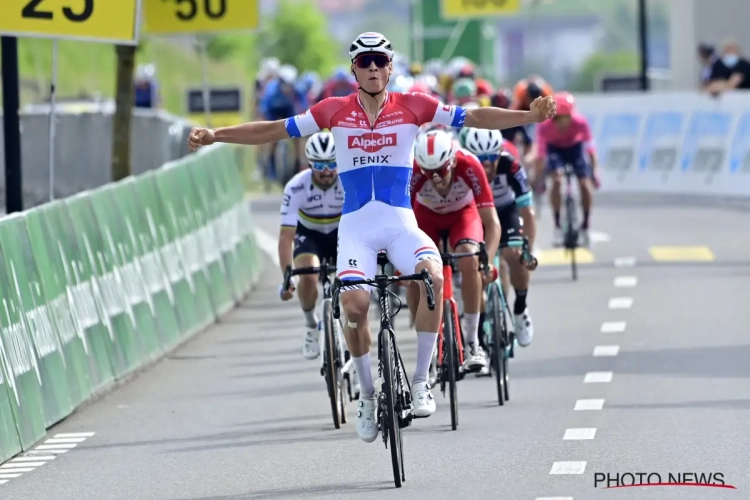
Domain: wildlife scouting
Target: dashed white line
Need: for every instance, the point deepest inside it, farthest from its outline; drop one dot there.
(64, 440)
(589, 404)
(606, 350)
(613, 327)
(3, 481)
(56, 446)
(16, 470)
(47, 449)
(597, 378)
(568, 468)
(554, 498)
(579, 434)
(13, 463)
(620, 303)
(9, 476)
(625, 262)
(626, 281)
(32, 458)
(76, 434)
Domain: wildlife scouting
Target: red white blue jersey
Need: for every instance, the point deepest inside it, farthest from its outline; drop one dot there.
(375, 160)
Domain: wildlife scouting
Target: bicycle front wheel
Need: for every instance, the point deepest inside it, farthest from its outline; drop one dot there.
(333, 381)
(390, 419)
(450, 359)
(499, 340)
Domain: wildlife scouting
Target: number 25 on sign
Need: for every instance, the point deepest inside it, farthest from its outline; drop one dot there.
(457, 9)
(105, 21)
(177, 17)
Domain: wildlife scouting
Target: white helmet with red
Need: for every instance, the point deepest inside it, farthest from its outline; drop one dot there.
(434, 150)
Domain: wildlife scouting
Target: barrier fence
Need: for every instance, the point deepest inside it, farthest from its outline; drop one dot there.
(100, 284)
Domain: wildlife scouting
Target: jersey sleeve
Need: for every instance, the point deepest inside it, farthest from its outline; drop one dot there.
(416, 183)
(314, 119)
(588, 139)
(542, 132)
(427, 109)
(290, 203)
(475, 176)
(517, 178)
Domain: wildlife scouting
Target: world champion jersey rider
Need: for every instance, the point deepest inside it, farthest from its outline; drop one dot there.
(512, 196)
(451, 195)
(567, 140)
(375, 131)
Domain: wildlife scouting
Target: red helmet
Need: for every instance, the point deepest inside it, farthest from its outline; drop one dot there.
(484, 87)
(421, 87)
(502, 98)
(565, 103)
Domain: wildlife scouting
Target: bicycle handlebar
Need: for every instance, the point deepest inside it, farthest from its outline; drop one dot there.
(382, 282)
(289, 272)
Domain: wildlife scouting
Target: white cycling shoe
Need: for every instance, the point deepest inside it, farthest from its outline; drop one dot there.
(367, 421)
(424, 403)
(558, 237)
(524, 328)
(475, 358)
(311, 344)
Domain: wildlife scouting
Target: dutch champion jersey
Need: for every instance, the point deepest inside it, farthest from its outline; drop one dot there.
(309, 205)
(375, 160)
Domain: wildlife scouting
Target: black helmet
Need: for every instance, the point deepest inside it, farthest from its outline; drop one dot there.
(533, 91)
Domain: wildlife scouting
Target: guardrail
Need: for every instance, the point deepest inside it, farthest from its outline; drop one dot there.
(97, 285)
(83, 149)
(672, 143)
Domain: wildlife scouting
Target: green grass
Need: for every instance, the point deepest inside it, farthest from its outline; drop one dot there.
(87, 69)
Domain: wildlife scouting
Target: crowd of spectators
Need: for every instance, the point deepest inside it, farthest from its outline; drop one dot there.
(723, 70)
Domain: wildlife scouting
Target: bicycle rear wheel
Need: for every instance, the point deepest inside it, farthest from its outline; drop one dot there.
(340, 362)
(390, 419)
(450, 359)
(499, 340)
(330, 370)
(571, 233)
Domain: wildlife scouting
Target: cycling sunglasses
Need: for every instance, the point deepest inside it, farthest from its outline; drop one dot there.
(365, 60)
(490, 158)
(320, 166)
(441, 172)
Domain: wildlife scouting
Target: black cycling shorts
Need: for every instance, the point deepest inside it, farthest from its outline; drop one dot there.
(510, 224)
(307, 241)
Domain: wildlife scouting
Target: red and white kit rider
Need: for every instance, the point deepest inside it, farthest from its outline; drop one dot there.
(455, 213)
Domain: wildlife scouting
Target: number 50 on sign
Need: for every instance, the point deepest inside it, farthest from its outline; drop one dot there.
(457, 9)
(175, 17)
(108, 21)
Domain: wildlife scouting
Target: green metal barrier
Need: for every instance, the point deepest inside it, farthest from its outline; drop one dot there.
(97, 285)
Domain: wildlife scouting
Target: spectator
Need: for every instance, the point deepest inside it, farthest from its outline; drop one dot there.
(733, 72)
(708, 59)
(146, 89)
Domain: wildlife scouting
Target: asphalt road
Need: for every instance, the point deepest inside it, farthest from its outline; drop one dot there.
(239, 414)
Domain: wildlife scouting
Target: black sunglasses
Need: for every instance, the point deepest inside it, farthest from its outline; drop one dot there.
(365, 60)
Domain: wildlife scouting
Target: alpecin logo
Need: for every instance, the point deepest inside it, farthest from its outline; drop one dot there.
(372, 141)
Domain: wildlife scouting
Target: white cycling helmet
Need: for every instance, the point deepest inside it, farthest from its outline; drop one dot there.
(288, 73)
(269, 67)
(434, 150)
(484, 142)
(368, 43)
(320, 147)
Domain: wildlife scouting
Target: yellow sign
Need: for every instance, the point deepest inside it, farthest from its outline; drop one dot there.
(105, 21)
(178, 17)
(457, 9)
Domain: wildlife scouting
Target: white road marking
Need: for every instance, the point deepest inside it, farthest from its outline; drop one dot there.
(579, 434)
(599, 237)
(626, 281)
(625, 262)
(554, 498)
(589, 404)
(3, 481)
(53, 450)
(75, 435)
(16, 470)
(32, 458)
(613, 327)
(8, 476)
(597, 378)
(51, 447)
(13, 463)
(268, 244)
(620, 303)
(606, 350)
(568, 468)
(64, 440)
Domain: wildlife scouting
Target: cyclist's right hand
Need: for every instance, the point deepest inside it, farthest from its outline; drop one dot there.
(200, 136)
(288, 293)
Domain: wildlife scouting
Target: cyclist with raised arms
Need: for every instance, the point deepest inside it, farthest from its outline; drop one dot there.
(375, 131)
(450, 193)
(310, 213)
(511, 193)
(567, 140)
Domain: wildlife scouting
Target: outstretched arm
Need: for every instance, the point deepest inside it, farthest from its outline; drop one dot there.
(252, 133)
(542, 109)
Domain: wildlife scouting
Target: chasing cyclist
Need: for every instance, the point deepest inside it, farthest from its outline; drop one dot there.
(512, 195)
(375, 130)
(566, 140)
(450, 193)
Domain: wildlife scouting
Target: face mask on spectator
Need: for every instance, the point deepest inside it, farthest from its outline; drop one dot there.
(730, 60)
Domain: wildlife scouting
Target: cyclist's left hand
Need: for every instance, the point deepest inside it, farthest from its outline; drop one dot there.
(596, 179)
(543, 108)
(200, 136)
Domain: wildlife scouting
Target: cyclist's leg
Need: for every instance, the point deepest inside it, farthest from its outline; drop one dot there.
(411, 250)
(519, 275)
(582, 170)
(306, 250)
(357, 260)
(553, 167)
(465, 235)
(432, 225)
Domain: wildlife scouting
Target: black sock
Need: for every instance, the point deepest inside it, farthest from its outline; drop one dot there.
(520, 304)
(557, 219)
(481, 330)
(585, 224)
